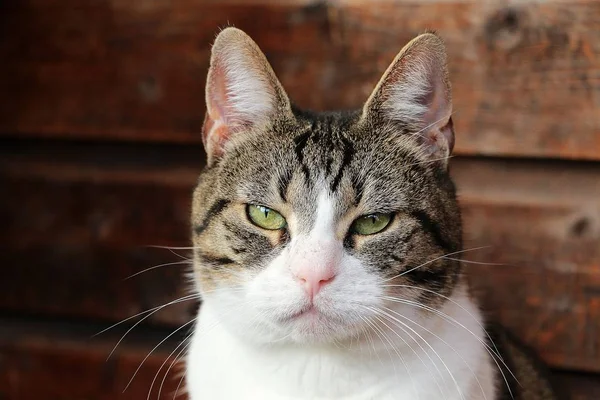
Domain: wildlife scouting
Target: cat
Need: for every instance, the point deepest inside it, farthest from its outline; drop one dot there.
(327, 245)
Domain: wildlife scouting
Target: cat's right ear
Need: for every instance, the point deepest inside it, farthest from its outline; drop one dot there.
(242, 91)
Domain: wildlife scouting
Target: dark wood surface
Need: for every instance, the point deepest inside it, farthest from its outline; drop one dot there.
(541, 223)
(64, 362)
(79, 221)
(526, 80)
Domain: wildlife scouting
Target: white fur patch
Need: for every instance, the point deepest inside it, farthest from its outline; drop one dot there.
(324, 226)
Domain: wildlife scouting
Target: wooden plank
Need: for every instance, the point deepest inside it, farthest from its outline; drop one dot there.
(65, 364)
(74, 221)
(577, 386)
(74, 230)
(42, 361)
(520, 70)
(526, 75)
(541, 222)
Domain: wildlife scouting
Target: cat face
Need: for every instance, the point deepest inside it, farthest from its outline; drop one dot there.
(307, 226)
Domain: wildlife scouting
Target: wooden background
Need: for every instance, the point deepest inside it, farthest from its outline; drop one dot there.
(101, 105)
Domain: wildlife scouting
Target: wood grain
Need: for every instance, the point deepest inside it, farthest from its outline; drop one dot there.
(60, 361)
(577, 386)
(541, 222)
(78, 222)
(76, 229)
(526, 75)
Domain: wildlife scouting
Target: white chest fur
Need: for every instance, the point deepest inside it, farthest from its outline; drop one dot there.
(449, 362)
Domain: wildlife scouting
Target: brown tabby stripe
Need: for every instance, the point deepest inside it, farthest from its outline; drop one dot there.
(425, 275)
(399, 260)
(433, 229)
(359, 189)
(349, 242)
(300, 143)
(214, 210)
(283, 183)
(348, 154)
(216, 261)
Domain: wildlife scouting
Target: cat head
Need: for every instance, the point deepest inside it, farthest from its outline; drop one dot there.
(307, 226)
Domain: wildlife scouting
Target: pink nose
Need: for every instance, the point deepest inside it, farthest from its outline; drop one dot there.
(313, 279)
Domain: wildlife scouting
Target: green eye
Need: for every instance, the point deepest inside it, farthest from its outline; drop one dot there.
(371, 224)
(265, 218)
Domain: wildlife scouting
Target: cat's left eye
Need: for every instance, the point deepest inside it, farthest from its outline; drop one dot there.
(371, 224)
(265, 218)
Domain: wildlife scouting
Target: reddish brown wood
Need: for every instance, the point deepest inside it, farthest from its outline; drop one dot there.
(522, 73)
(525, 75)
(577, 386)
(542, 223)
(41, 361)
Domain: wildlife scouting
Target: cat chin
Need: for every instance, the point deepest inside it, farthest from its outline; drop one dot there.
(318, 329)
(309, 327)
(303, 336)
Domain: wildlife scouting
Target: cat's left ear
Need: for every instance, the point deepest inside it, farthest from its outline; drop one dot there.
(242, 92)
(415, 92)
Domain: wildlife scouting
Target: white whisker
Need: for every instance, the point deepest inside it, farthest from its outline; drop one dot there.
(154, 348)
(472, 262)
(179, 384)
(172, 247)
(397, 353)
(433, 260)
(154, 310)
(440, 339)
(430, 161)
(370, 338)
(435, 122)
(151, 311)
(384, 314)
(454, 321)
(185, 343)
(497, 352)
(179, 255)
(182, 262)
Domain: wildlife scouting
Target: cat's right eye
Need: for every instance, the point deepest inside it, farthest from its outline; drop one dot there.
(265, 218)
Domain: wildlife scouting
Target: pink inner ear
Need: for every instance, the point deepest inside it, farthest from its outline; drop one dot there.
(216, 128)
(436, 101)
(439, 141)
(437, 128)
(214, 135)
(448, 132)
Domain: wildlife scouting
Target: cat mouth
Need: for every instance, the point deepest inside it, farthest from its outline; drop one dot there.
(309, 311)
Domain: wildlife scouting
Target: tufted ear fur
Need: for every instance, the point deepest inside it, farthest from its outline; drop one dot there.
(242, 91)
(415, 92)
